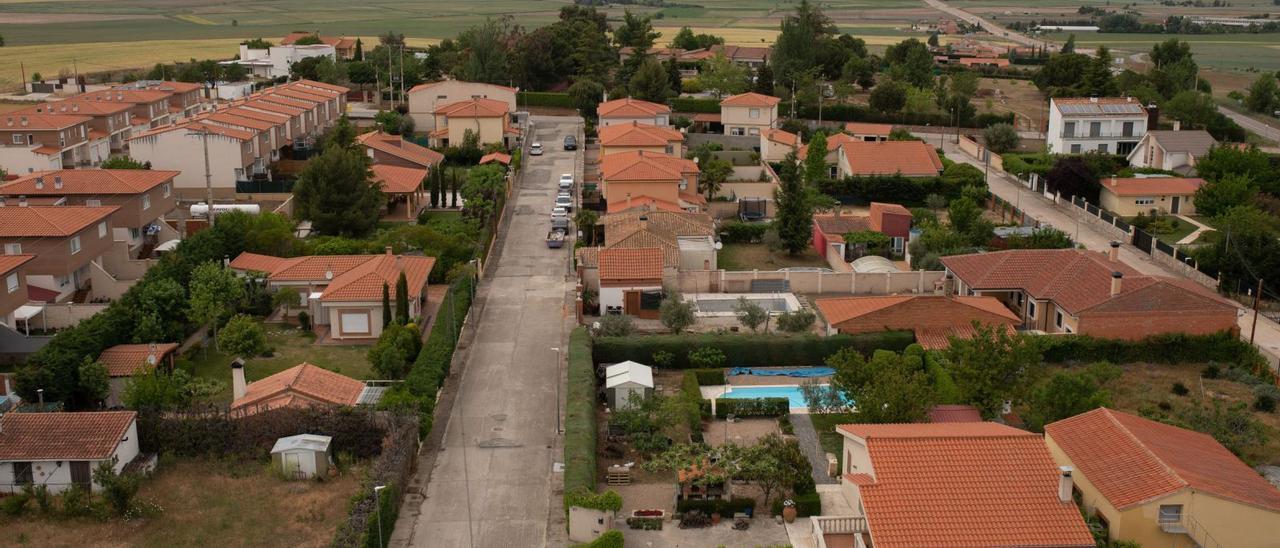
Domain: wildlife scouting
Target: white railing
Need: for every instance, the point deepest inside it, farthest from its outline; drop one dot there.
(838, 525)
(1186, 525)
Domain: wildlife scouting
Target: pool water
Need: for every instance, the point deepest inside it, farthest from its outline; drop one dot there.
(790, 392)
(731, 305)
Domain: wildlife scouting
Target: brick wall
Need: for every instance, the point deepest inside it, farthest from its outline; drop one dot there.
(1137, 326)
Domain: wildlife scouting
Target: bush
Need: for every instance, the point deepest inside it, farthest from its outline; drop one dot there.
(610, 539)
(738, 232)
(580, 415)
(76, 502)
(718, 506)
(747, 350)
(304, 320)
(616, 325)
(704, 106)
(1264, 403)
(1210, 371)
(691, 395)
(662, 359)
(1221, 348)
(752, 407)
(432, 364)
(709, 377)
(796, 322)
(545, 99)
(808, 504)
(706, 358)
(14, 505)
(1180, 389)
(645, 524)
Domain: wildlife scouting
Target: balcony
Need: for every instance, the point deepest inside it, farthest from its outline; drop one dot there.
(1102, 135)
(839, 531)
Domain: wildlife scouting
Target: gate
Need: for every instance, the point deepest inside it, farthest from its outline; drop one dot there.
(1143, 241)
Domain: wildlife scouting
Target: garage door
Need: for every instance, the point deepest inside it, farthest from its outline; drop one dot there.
(355, 322)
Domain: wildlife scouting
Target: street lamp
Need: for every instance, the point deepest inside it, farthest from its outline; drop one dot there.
(556, 349)
(377, 489)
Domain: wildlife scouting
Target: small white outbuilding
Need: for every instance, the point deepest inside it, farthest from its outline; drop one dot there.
(627, 378)
(302, 456)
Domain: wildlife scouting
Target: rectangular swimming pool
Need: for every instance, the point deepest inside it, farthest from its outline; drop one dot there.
(791, 392)
(724, 305)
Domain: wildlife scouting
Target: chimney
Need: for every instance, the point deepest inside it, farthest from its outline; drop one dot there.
(1093, 98)
(1114, 254)
(1116, 277)
(1153, 117)
(948, 286)
(8, 390)
(388, 251)
(1177, 126)
(57, 181)
(1064, 484)
(237, 379)
(39, 182)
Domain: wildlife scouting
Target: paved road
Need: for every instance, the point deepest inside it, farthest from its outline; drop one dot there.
(493, 483)
(994, 29)
(1264, 130)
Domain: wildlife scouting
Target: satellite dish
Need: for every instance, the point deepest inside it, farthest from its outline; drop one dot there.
(328, 274)
(719, 246)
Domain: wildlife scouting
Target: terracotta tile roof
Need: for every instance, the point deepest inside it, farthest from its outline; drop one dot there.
(864, 128)
(87, 182)
(642, 264)
(299, 386)
(954, 413)
(841, 309)
(47, 150)
(335, 89)
(1079, 280)
(1152, 186)
(430, 85)
(397, 146)
(750, 99)
(637, 134)
(125, 360)
(667, 224)
(58, 221)
(269, 106)
(640, 165)
(271, 96)
(63, 436)
(973, 484)
(232, 119)
(177, 87)
(833, 142)
(741, 53)
(782, 137)
(630, 108)
(313, 97)
(501, 158)
(242, 112)
(9, 263)
(839, 225)
(253, 262)
(706, 117)
(1132, 460)
(910, 158)
(934, 319)
(213, 129)
(121, 95)
(349, 278)
(588, 257)
(396, 179)
(78, 107)
(882, 208)
(939, 338)
(474, 108)
(22, 122)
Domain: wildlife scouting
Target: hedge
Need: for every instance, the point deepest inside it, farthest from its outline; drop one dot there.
(691, 394)
(709, 377)
(1170, 348)
(720, 506)
(889, 188)
(688, 104)
(752, 407)
(746, 350)
(545, 99)
(738, 232)
(580, 415)
(862, 113)
(610, 539)
(809, 504)
(432, 365)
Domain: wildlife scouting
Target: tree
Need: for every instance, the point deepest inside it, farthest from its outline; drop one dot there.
(402, 299)
(124, 162)
(1247, 249)
(386, 305)
(793, 51)
(910, 61)
(389, 121)
(994, 366)
(586, 94)
(1072, 176)
(1226, 160)
(815, 163)
(933, 39)
(764, 80)
(392, 356)
(1070, 393)
(636, 32)
(243, 337)
(750, 314)
(1070, 46)
(585, 220)
(359, 53)
(215, 291)
(888, 97)
(119, 490)
(1216, 197)
(154, 306)
(334, 192)
(687, 40)
(794, 213)
(1169, 52)
(721, 76)
(95, 383)
(1264, 94)
(488, 57)
(650, 82)
(860, 71)
(715, 172)
(796, 322)
(888, 388)
(676, 313)
(774, 464)
(1193, 108)
(234, 72)
(285, 297)
(320, 69)
(481, 190)
(342, 135)
(1001, 138)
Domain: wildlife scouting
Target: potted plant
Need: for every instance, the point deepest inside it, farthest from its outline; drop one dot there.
(789, 511)
(715, 517)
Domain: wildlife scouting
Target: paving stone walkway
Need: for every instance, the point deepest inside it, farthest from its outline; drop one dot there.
(808, 438)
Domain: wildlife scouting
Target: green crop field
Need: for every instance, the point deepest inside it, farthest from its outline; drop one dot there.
(1225, 51)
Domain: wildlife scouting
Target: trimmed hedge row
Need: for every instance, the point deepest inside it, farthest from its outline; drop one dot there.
(432, 364)
(862, 113)
(689, 104)
(545, 99)
(809, 504)
(1172, 348)
(692, 396)
(709, 377)
(580, 415)
(752, 407)
(746, 350)
(720, 506)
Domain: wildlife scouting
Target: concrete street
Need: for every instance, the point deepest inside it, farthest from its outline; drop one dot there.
(985, 24)
(493, 482)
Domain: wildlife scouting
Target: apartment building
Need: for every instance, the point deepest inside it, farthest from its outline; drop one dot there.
(1110, 125)
(63, 239)
(36, 142)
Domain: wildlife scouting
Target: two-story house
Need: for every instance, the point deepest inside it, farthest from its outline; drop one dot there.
(489, 119)
(143, 197)
(631, 136)
(1110, 125)
(185, 98)
(37, 142)
(425, 99)
(628, 110)
(64, 240)
(235, 154)
(149, 108)
(385, 149)
(749, 113)
(1172, 150)
(630, 178)
(109, 125)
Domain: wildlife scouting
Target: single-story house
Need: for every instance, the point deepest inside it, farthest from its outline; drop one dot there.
(865, 131)
(1176, 150)
(1130, 196)
(626, 380)
(906, 158)
(59, 450)
(303, 385)
(631, 281)
(303, 456)
(123, 361)
(934, 319)
(776, 144)
(892, 220)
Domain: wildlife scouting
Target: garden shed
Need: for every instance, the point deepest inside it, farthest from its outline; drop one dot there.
(302, 456)
(627, 378)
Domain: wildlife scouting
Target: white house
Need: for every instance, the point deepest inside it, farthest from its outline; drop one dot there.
(1111, 125)
(302, 456)
(1172, 150)
(274, 61)
(631, 281)
(59, 450)
(626, 380)
(425, 99)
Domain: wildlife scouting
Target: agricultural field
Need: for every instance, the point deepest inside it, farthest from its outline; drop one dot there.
(1220, 51)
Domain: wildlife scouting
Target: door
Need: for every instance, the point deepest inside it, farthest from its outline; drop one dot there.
(1176, 206)
(292, 465)
(80, 473)
(355, 323)
(631, 303)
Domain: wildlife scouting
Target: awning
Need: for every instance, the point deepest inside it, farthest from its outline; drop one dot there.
(315, 295)
(27, 311)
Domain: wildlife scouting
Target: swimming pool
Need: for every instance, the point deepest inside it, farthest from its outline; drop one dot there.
(791, 392)
(716, 305)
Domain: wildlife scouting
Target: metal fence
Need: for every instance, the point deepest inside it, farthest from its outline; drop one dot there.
(1002, 205)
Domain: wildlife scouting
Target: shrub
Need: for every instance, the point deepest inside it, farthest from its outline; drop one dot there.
(796, 322)
(14, 505)
(616, 325)
(1264, 403)
(718, 506)
(76, 502)
(546, 99)
(1210, 371)
(752, 407)
(580, 415)
(117, 489)
(809, 504)
(645, 524)
(710, 377)
(706, 358)
(432, 364)
(662, 359)
(746, 350)
(610, 539)
(1180, 389)
(676, 314)
(1221, 348)
(304, 320)
(704, 106)
(738, 232)
(784, 424)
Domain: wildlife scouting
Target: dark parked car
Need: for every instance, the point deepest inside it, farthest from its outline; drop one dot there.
(570, 142)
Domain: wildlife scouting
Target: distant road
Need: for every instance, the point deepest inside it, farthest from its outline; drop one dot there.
(994, 29)
(1264, 130)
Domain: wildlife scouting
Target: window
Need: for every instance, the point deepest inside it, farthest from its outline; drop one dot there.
(1069, 129)
(1102, 147)
(1031, 309)
(1057, 319)
(737, 131)
(135, 233)
(17, 139)
(1145, 200)
(754, 113)
(1170, 513)
(146, 202)
(753, 131)
(832, 171)
(1095, 129)
(75, 245)
(1126, 130)
(22, 473)
(12, 249)
(64, 281)
(102, 229)
(1075, 149)
(11, 282)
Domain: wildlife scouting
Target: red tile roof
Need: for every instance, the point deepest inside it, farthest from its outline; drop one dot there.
(750, 99)
(963, 485)
(648, 203)
(864, 128)
(63, 436)
(637, 134)
(782, 137)
(269, 106)
(398, 180)
(1152, 186)
(934, 319)
(125, 360)
(397, 146)
(271, 96)
(430, 85)
(349, 278)
(501, 158)
(9, 263)
(474, 108)
(300, 385)
(334, 89)
(639, 165)
(833, 142)
(59, 221)
(242, 112)
(224, 131)
(838, 225)
(1132, 460)
(630, 108)
(87, 182)
(79, 108)
(954, 413)
(910, 158)
(121, 95)
(22, 122)
(631, 264)
(224, 117)
(339, 42)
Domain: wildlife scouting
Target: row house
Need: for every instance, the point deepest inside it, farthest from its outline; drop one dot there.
(424, 99)
(143, 198)
(13, 269)
(109, 121)
(35, 142)
(235, 155)
(185, 98)
(66, 240)
(149, 108)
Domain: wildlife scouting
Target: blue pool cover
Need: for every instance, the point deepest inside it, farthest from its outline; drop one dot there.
(793, 372)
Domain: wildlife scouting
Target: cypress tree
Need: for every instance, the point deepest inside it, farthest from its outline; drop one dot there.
(386, 305)
(402, 300)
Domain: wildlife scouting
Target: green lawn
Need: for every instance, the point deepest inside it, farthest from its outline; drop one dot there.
(825, 425)
(758, 257)
(291, 347)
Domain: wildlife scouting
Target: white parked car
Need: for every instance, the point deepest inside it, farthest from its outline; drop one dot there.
(566, 181)
(559, 212)
(535, 149)
(565, 202)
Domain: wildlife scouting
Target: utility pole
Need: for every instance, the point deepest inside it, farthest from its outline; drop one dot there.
(208, 175)
(1254, 329)
(402, 96)
(391, 78)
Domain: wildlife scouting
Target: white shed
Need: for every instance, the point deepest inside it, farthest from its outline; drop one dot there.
(627, 378)
(302, 456)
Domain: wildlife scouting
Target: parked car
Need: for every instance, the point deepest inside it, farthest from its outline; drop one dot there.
(566, 181)
(560, 223)
(565, 202)
(559, 212)
(535, 149)
(570, 142)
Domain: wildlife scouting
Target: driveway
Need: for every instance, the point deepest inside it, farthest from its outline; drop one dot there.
(493, 481)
